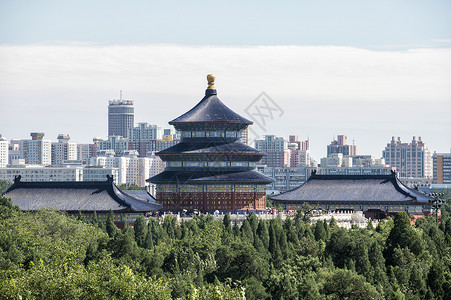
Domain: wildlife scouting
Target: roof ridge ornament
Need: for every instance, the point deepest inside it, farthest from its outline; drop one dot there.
(109, 178)
(211, 82)
(17, 179)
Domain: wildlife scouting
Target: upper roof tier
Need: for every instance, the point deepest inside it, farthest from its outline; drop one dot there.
(210, 110)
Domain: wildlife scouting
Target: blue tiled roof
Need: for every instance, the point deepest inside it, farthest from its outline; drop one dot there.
(209, 147)
(210, 110)
(209, 176)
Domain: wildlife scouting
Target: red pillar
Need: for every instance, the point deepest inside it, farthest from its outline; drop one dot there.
(233, 202)
(255, 202)
(204, 205)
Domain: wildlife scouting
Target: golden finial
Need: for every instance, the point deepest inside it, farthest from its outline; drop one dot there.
(211, 82)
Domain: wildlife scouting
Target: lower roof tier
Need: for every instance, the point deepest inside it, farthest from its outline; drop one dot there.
(209, 176)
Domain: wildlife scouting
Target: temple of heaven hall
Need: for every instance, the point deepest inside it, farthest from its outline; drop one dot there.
(211, 168)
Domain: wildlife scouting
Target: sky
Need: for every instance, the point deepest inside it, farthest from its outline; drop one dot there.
(366, 69)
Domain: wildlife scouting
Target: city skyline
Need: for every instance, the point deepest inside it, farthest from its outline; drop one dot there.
(389, 78)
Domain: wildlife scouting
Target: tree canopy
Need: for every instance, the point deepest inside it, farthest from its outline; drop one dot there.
(49, 255)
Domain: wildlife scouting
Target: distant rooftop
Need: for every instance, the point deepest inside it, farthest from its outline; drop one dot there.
(78, 196)
(121, 102)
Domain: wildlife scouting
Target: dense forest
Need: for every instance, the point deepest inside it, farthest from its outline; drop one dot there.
(48, 255)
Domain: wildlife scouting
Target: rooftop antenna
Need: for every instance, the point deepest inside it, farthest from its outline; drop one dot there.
(120, 95)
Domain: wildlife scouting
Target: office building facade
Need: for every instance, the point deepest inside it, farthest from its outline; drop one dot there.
(121, 117)
(36, 151)
(116, 143)
(411, 160)
(340, 145)
(4, 152)
(276, 150)
(442, 168)
(63, 150)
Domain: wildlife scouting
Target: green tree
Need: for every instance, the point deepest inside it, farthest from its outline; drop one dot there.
(80, 216)
(263, 234)
(377, 261)
(111, 228)
(246, 232)
(320, 232)
(436, 279)
(95, 219)
(227, 222)
(7, 209)
(4, 185)
(346, 284)
(403, 235)
(130, 186)
(292, 236)
(240, 261)
(140, 228)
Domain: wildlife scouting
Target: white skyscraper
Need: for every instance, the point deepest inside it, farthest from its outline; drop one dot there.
(412, 160)
(132, 169)
(36, 151)
(109, 161)
(63, 150)
(3, 152)
(156, 165)
(13, 151)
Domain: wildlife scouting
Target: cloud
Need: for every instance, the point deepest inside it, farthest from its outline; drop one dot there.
(65, 87)
(442, 40)
(316, 71)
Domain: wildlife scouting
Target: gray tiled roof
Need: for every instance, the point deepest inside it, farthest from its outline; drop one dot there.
(75, 196)
(332, 188)
(143, 195)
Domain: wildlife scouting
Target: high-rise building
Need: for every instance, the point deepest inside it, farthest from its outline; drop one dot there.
(104, 159)
(156, 165)
(131, 168)
(36, 151)
(63, 150)
(144, 132)
(147, 139)
(299, 152)
(86, 151)
(442, 168)
(302, 145)
(340, 146)
(115, 143)
(276, 150)
(4, 150)
(121, 117)
(410, 159)
(13, 151)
